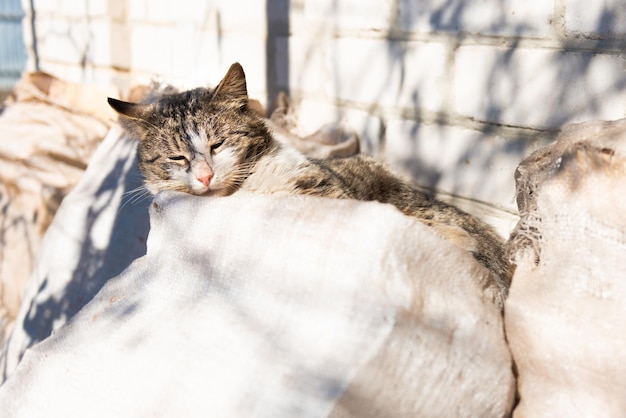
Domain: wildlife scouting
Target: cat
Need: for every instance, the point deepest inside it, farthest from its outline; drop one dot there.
(210, 142)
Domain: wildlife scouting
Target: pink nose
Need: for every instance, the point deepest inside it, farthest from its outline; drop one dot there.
(206, 180)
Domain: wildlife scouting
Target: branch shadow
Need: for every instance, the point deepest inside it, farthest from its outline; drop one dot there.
(276, 49)
(509, 117)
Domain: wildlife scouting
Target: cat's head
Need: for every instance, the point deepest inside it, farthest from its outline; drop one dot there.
(201, 141)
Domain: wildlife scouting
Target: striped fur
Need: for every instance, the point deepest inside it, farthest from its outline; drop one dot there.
(184, 136)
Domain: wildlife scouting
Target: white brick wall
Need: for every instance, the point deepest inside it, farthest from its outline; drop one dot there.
(452, 92)
(537, 88)
(605, 18)
(350, 14)
(375, 71)
(488, 17)
(450, 155)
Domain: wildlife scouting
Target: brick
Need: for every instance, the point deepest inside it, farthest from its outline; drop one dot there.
(387, 73)
(169, 59)
(116, 9)
(487, 17)
(43, 7)
(249, 51)
(73, 73)
(249, 16)
(456, 160)
(605, 18)
(367, 126)
(61, 40)
(108, 43)
(179, 11)
(137, 10)
(202, 65)
(538, 88)
(298, 22)
(97, 41)
(350, 14)
(305, 68)
(187, 57)
(82, 9)
(117, 45)
(146, 56)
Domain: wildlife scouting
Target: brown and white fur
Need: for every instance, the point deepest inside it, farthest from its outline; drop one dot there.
(210, 142)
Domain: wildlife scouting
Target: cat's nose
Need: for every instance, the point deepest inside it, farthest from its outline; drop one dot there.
(206, 180)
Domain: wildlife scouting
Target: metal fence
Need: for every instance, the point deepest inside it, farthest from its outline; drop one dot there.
(12, 50)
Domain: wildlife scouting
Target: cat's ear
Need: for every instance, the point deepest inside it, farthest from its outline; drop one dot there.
(233, 86)
(130, 110)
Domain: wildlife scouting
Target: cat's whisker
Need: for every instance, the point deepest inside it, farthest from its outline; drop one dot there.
(134, 196)
(136, 199)
(135, 190)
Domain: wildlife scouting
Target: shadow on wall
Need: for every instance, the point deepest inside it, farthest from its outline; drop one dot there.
(438, 76)
(276, 50)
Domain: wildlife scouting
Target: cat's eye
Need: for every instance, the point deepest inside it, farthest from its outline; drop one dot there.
(179, 159)
(215, 146)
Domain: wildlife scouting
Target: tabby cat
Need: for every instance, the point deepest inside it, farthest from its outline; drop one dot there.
(210, 142)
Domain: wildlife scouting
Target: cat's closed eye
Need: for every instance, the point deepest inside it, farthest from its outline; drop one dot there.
(216, 146)
(179, 159)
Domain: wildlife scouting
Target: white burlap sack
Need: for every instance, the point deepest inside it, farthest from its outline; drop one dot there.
(47, 136)
(48, 133)
(567, 304)
(278, 307)
(96, 233)
(261, 306)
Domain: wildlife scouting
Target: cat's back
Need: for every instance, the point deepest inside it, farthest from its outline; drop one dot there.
(358, 177)
(285, 169)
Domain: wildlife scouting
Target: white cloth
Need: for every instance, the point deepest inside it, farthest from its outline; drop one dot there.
(254, 306)
(47, 136)
(97, 232)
